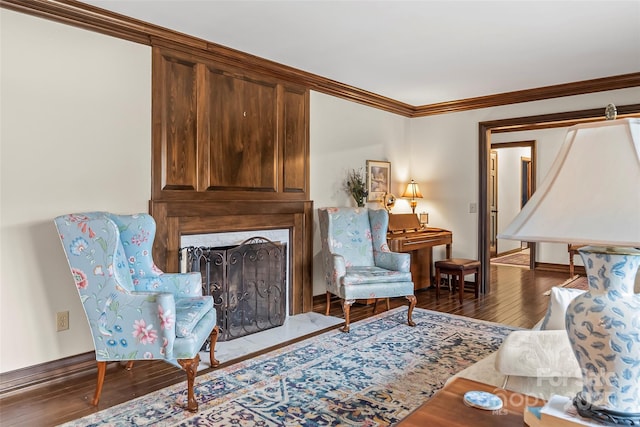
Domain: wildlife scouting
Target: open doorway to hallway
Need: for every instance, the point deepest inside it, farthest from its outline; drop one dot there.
(490, 130)
(511, 179)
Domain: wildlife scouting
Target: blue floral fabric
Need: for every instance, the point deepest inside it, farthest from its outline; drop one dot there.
(134, 310)
(357, 261)
(136, 234)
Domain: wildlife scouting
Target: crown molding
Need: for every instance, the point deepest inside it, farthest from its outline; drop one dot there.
(82, 15)
(567, 89)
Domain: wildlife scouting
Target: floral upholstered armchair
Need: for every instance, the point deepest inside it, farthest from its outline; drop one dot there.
(357, 261)
(135, 311)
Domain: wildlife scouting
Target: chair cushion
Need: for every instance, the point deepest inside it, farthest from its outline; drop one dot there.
(559, 299)
(365, 274)
(189, 311)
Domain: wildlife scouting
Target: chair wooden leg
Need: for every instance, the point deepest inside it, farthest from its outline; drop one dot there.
(102, 368)
(328, 303)
(412, 303)
(437, 283)
(213, 337)
(460, 280)
(191, 368)
(346, 307)
(375, 304)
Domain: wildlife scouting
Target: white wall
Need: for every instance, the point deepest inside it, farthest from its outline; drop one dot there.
(75, 136)
(549, 142)
(440, 152)
(344, 135)
(71, 144)
(445, 161)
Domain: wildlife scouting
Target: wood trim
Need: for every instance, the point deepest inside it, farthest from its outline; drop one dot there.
(533, 145)
(544, 121)
(48, 372)
(556, 91)
(175, 218)
(559, 268)
(92, 18)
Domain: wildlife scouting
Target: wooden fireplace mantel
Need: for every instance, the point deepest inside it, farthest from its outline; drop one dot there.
(230, 152)
(177, 218)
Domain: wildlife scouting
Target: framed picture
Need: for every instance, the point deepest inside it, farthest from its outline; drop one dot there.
(378, 179)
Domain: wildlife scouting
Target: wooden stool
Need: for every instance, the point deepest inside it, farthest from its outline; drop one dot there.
(458, 267)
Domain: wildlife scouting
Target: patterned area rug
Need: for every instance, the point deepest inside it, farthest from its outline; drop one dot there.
(373, 376)
(520, 259)
(578, 282)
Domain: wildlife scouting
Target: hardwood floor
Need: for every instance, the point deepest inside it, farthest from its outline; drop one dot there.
(516, 299)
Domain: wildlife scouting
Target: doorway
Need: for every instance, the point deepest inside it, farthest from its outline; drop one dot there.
(512, 180)
(526, 178)
(493, 204)
(545, 121)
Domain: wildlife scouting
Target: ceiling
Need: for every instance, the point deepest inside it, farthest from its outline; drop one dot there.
(417, 52)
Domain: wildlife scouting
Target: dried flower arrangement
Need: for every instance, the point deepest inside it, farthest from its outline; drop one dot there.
(356, 186)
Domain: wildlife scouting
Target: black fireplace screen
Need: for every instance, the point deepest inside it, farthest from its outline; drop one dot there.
(247, 282)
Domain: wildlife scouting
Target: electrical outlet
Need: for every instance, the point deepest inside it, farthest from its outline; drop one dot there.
(473, 207)
(62, 321)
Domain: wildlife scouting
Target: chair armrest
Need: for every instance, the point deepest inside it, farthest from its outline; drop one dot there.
(179, 284)
(337, 269)
(394, 261)
(137, 325)
(537, 354)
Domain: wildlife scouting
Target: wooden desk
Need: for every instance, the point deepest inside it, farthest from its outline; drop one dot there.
(420, 245)
(446, 408)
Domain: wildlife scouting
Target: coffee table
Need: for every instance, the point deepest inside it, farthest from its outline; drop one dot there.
(447, 408)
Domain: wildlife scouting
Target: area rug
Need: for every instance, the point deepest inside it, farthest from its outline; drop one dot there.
(520, 259)
(374, 375)
(578, 282)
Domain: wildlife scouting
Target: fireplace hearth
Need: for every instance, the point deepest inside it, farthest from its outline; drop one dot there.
(248, 283)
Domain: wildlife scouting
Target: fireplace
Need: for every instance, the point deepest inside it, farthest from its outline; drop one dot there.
(184, 223)
(247, 275)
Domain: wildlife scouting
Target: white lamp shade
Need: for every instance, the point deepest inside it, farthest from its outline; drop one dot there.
(591, 194)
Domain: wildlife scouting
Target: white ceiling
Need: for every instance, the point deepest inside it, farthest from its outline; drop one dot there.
(417, 52)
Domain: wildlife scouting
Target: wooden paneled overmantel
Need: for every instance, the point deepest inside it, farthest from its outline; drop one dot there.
(226, 133)
(230, 152)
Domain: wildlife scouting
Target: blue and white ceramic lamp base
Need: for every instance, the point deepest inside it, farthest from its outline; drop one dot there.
(603, 325)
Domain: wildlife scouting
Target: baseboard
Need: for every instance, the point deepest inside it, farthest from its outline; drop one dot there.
(50, 372)
(509, 252)
(559, 268)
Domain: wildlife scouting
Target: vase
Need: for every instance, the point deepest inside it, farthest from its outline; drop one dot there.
(603, 325)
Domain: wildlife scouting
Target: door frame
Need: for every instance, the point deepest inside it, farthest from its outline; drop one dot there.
(545, 121)
(492, 200)
(532, 145)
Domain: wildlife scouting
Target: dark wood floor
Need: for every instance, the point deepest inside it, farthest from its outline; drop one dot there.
(516, 299)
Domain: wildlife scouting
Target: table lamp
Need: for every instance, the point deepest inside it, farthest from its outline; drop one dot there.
(412, 192)
(591, 196)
